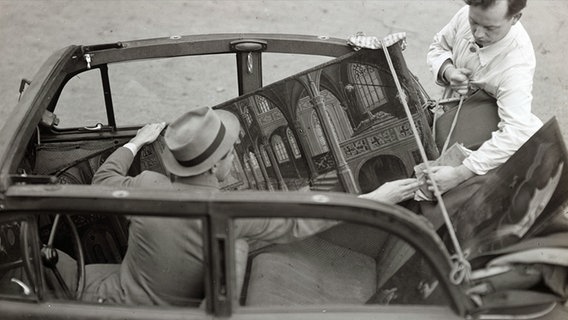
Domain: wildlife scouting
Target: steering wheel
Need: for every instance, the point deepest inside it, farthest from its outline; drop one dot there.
(50, 257)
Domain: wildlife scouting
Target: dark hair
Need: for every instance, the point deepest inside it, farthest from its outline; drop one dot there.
(515, 6)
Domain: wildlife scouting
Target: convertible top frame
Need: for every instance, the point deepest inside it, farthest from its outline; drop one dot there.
(47, 84)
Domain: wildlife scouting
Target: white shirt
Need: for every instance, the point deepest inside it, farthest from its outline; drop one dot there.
(505, 71)
(132, 147)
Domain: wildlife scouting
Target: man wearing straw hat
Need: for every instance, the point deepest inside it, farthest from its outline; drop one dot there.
(161, 251)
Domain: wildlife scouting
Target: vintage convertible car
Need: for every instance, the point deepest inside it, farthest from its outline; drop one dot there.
(345, 123)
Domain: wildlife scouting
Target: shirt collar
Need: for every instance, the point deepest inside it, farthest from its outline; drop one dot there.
(488, 53)
(206, 180)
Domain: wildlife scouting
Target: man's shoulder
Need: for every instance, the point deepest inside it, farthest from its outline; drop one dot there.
(464, 10)
(463, 14)
(520, 50)
(522, 38)
(154, 177)
(460, 23)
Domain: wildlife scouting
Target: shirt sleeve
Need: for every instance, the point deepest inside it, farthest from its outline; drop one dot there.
(517, 122)
(280, 230)
(440, 49)
(132, 147)
(113, 172)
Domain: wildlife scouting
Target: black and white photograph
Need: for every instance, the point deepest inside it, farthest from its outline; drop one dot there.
(283, 159)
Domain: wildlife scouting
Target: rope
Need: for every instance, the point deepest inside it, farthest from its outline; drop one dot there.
(461, 267)
(447, 142)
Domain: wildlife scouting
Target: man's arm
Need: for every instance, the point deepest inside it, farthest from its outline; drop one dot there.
(447, 177)
(517, 122)
(456, 78)
(440, 55)
(394, 191)
(281, 230)
(113, 171)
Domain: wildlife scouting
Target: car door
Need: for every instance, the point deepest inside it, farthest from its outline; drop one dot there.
(228, 291)
(313, 255)
(64, 255)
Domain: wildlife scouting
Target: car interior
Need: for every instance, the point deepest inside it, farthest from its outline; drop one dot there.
(285, 145)
(339, 266)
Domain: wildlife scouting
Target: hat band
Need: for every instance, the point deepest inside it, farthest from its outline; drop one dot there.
(208, 152)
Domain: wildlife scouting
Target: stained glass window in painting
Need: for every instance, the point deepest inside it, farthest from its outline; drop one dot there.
(265, 156)
(369, 87)
(293, 144)
(319, 132)
(253, 161)
(262, 104)
(279, 149)
(247, 116)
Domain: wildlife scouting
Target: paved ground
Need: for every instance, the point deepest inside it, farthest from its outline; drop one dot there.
(31, 30)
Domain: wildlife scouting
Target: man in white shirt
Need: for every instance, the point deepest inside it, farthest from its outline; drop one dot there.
(484, 46)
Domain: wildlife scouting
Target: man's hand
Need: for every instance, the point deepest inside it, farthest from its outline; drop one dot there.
(447, 177)
(458, 79)
(394, 191)
(148, 134)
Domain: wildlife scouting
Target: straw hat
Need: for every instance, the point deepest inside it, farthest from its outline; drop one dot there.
(198, 139)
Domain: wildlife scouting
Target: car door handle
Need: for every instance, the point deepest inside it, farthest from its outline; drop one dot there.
(96, 127)
(25, 288)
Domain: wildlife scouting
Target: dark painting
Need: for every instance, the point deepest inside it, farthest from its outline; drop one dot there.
(520, 198)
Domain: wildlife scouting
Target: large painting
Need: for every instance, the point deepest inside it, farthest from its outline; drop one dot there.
(340, 126)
